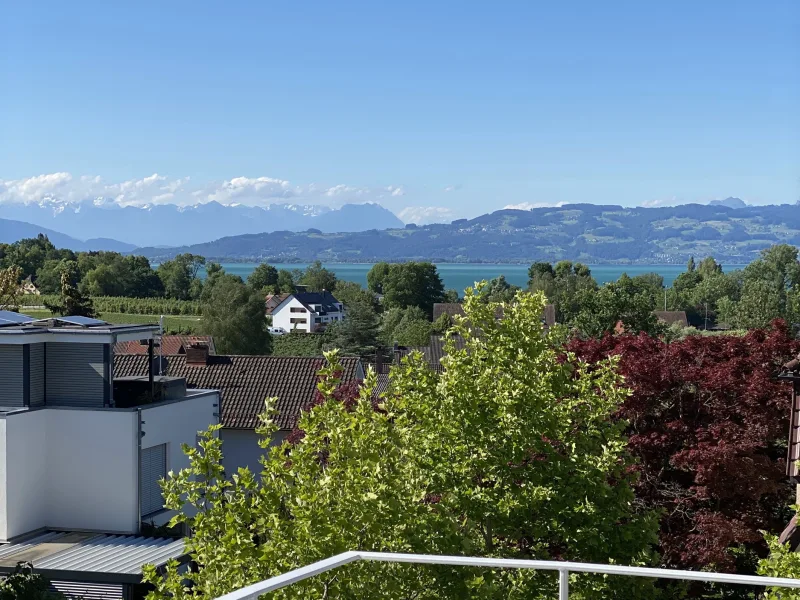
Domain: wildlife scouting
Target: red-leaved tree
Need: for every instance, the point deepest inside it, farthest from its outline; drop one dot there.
(709, 425)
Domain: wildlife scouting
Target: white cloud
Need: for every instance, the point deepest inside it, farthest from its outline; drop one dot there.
(422, 215)
(160, 189)
(37, 187)
(661, 202)
(532, 205)
(452, 188)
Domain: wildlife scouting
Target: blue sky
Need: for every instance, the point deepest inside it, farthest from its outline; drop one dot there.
(441, 110)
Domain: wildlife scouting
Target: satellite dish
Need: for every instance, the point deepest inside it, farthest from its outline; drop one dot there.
(160, 365)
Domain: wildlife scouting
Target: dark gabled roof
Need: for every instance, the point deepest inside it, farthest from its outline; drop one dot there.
(454, 308)
(170, 344)
(324, 299)
(671, 317)
(246, 381)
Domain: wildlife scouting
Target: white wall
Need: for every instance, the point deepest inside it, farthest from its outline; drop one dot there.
(70, 469)
(178, 423)
(93, 469)
(240, 449)
(65, 468)
(282, 317)
(26, 468)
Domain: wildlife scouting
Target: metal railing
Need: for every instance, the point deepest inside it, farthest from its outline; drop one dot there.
(564, 569)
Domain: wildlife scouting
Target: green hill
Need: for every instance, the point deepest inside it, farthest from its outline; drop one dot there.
(586, 232)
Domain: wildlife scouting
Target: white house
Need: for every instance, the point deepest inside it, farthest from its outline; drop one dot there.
(304, 311)
(81, 453)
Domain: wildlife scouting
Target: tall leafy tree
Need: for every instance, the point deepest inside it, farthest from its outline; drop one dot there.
(621, 301)
(562, 285)
(178, 274)
(286, 282)
(263, 276)
(413, 284)
(71, 301)
(350, 292)
(234, 314)
(509, 452)
(376, 276)
(498, 290)
(318, 278)
(9, 288)
(708, 423)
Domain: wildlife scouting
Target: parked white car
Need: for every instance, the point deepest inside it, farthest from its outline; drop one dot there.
(278, 331)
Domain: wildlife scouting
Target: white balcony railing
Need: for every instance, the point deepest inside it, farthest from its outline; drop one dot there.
(564, 569)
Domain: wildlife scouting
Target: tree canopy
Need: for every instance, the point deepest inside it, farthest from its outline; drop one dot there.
(263, 276)
(708, 422)
(410, 284)
(234, 314)
(71, 301)
(508, 452)
(179, 274)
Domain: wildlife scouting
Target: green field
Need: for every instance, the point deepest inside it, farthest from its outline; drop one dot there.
(187, 324)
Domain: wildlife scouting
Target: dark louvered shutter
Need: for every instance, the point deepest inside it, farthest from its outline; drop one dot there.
(154, 469)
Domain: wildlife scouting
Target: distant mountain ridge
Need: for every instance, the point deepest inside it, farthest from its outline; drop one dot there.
(729, 202)
(12, 231)
(586, 232)
(172, 225)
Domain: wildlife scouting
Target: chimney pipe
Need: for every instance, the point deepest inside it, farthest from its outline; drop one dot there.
(197, 354)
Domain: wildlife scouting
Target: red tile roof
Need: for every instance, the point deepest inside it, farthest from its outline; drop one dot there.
(246, 381)
(170, 344)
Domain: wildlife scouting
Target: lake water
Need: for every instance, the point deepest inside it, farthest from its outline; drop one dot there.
(460, 276)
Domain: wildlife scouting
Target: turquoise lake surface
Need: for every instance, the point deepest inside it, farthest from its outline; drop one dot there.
(460, 276)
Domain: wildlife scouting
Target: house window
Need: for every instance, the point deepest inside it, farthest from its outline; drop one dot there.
(153, 469)
(297, 309)
(297, 320)
(317, 320)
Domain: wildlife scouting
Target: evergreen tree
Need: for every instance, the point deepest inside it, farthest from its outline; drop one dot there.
(71, 301)
(357, 334)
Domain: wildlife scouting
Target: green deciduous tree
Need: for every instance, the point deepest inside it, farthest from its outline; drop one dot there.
(9, 288)
(498, 290)
(234, 314)
(286, 282)
(376, 276)
(406, 326)
(349, 292)
(562, 285)
(412, 284)
(178, 274)
(264, 276)
(781, 562)
(318, 278)
(509, 452)
(71, 301)
(618, 301)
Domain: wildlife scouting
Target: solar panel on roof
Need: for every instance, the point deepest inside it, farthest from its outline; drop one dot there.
(82, 321)
(14, 317)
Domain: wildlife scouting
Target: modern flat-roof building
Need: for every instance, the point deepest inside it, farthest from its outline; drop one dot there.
(82, 452)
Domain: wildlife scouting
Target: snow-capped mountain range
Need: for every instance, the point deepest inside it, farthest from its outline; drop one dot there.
(173, 225)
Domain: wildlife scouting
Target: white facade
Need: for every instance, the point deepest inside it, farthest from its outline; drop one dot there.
(240, 449)
(293, 315)
(78, 469)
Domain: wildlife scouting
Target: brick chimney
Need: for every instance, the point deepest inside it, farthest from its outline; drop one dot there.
(197, 354)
